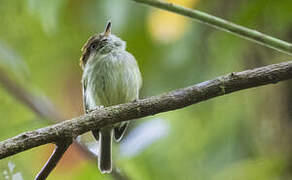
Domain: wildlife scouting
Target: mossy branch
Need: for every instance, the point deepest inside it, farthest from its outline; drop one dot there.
(170, 101)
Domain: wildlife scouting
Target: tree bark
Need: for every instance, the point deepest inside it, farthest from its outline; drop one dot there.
(166, 102)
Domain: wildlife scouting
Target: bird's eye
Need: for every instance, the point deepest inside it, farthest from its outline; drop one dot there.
(93, 46)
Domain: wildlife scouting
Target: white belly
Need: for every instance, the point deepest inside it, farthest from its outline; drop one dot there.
(112, 79)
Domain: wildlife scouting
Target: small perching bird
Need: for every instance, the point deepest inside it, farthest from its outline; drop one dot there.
(111, 76)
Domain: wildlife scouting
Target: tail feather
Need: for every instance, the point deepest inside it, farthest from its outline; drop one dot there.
(105, 150)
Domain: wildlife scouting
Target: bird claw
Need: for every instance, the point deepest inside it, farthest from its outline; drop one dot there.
(96, 108)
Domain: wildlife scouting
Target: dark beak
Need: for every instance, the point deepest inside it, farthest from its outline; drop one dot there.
(108, 28)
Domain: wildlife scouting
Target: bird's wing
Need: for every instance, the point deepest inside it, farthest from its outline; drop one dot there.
(120, 131)
(86, 106)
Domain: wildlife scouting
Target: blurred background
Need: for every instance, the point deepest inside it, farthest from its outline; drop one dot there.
(245, 135)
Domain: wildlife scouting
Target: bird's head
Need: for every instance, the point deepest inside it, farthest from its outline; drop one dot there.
(100, 44)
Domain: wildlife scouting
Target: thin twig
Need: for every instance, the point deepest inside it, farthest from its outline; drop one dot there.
(60, 149)
(44, 108)
(224, 25)
(170, 101)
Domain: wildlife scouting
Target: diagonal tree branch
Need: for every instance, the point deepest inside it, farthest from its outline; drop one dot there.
(44, 108)
(224, 25)
(59, 151)
(170, 101)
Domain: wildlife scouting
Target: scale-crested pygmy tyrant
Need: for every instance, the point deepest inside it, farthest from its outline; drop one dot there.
(111, 76)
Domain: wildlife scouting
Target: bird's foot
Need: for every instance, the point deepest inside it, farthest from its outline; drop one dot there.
(96, 108)
(135, 100)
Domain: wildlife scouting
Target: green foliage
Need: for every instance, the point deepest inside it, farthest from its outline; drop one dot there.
(238, 136)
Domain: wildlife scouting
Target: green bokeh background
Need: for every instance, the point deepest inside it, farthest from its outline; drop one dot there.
(245, 135)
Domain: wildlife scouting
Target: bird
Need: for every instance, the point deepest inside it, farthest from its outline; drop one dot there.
(111, 76)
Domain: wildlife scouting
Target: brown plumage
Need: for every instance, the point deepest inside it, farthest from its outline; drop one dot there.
(86, 48)
(93, 39)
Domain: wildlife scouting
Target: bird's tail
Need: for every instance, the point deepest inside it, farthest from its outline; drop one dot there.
(105, 150)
